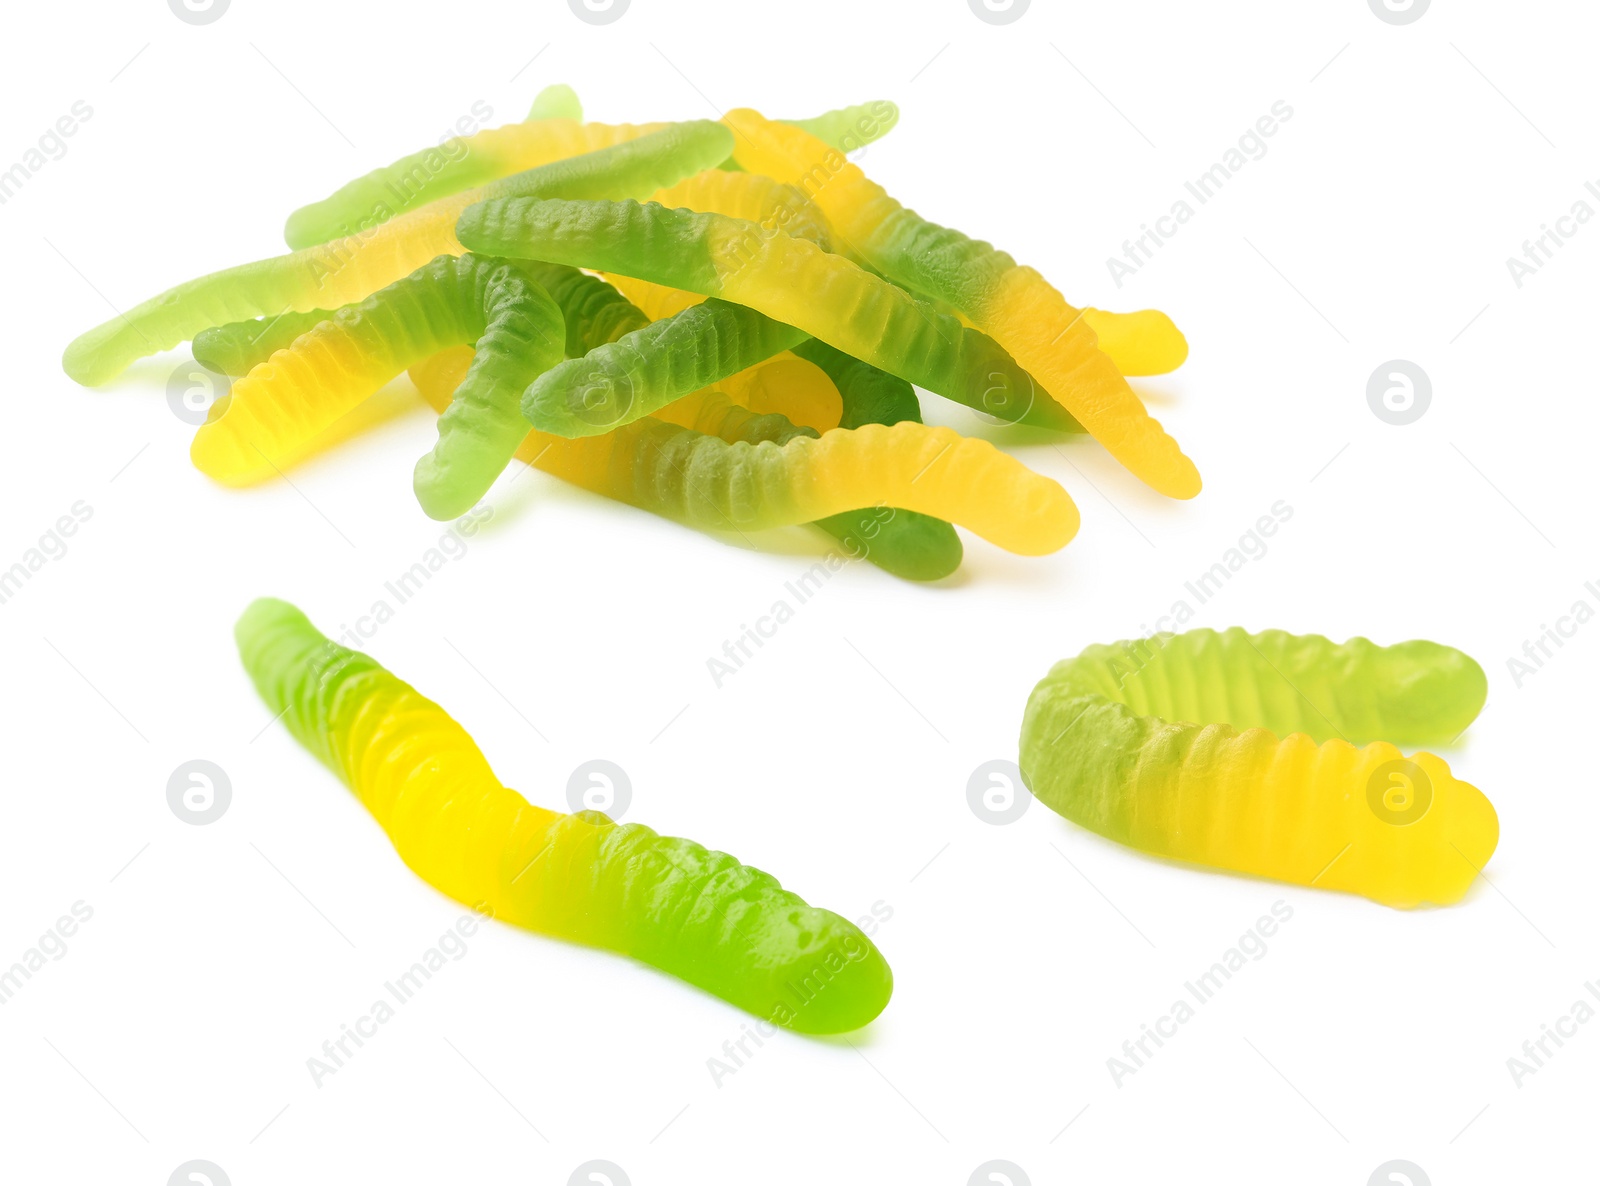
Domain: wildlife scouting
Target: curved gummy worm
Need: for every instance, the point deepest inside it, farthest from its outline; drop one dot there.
(287, 400)
(694, 913)
(1102, 744)
(647, 369)
(783, 383)
(792, 281)
(466, 161)
(594, 313)
(1025, 315)
(769, 204)
(347, 270)
(444, 169)
(910, 545)
(710, 484)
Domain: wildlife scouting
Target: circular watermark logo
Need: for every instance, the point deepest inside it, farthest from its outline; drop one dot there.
(1399, 1173)
(1399, 392)
(1398, 12)
(604, 403)
(598, 12)
(192, 389)
(199, 793)
(1006, 398)
(996, 794)
(1399, 792)
(598, 1173)
(198, 12)
(998, 12)
(999, 1173)
(198, 1173)
(599, 785)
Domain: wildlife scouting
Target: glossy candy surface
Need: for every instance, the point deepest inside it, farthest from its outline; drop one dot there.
(349, 269)
(697, 914)
(708, 483)
(790, 280)
(284, 402)
(1240, 751)
(1028, 318)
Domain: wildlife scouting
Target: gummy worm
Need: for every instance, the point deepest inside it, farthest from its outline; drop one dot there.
(594, 313)
(438, 172)
(694, 913)
(713, 485)
(1025, 315)
(346, 270)
(910, 545)
(446, 169)
(790, 280)
(1103, 744)
(339, 362)
(647, 369)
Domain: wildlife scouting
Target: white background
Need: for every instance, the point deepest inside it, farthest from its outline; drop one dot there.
(1377, 226)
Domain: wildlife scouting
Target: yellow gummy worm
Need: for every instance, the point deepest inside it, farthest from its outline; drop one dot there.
(1012, 304)
(714, 485)
(1267, 780)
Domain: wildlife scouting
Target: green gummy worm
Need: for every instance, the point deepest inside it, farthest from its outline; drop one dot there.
(647, 369)
(335, 273)
(694, 913)
(790, 280)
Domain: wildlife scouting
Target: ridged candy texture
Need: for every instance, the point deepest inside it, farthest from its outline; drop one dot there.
(792, 281)
(1176, 746)
(284, 402)
(346, 270)
(694, 913)
(1027, 317)
(647, 369)
(458, 163)
(709, 483)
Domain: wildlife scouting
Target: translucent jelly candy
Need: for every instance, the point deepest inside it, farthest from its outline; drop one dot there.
(792, 281)
(282, 403)
(336, 273)
(694, 913)
(650, 367)
(550, 132)
(1025, 315)
(708, 483)
(1104, 744)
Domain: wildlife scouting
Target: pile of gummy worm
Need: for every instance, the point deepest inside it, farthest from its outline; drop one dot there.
(723, 323)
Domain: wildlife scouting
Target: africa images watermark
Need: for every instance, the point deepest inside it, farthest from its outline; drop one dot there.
(1540, 649)
(450, 947)
(1251, 146)
(51, 146)
(1540, 250)
(52, 944)
(1202, 990)
(448, 549)
(742, 647)
(1537, 1051)
(1251, 547)
(52, 545)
